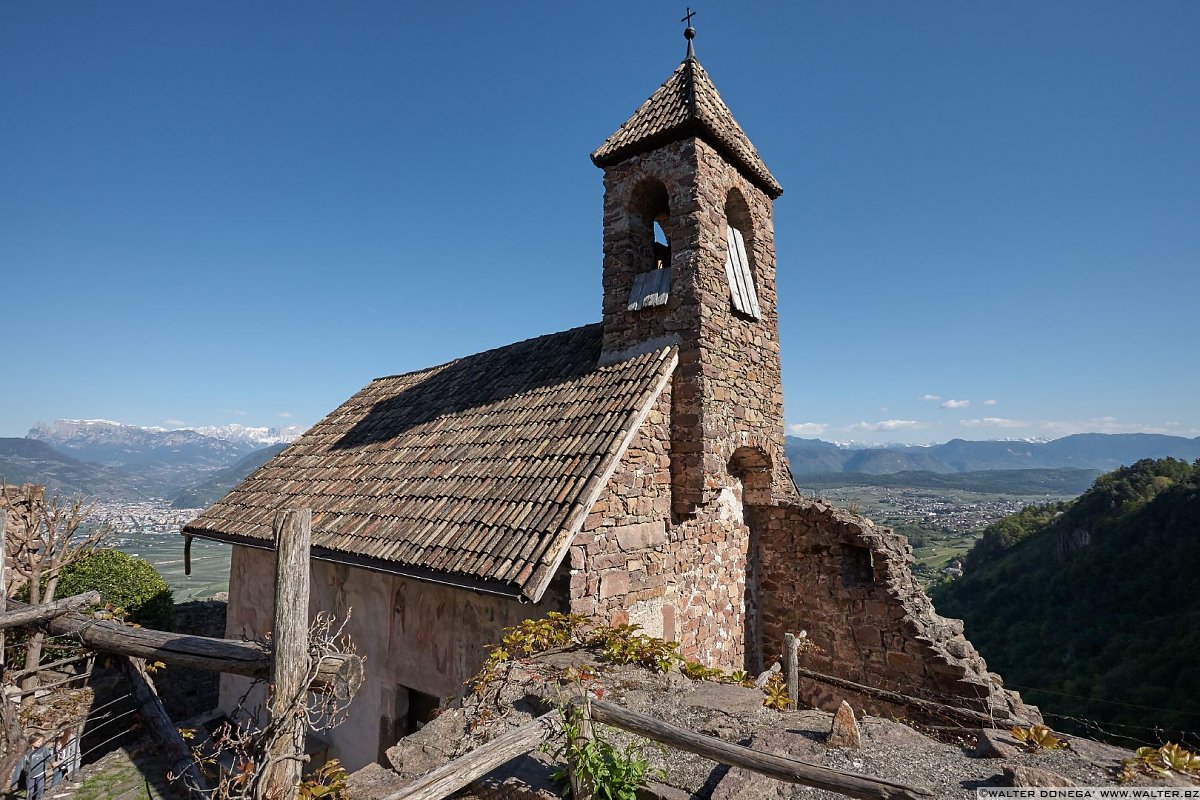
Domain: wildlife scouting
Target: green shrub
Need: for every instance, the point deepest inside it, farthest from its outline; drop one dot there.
(123, 581)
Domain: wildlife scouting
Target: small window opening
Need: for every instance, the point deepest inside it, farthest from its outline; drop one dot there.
(652, 285)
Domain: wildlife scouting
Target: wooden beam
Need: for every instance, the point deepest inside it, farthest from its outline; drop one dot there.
(162, 729)
(289, 667)
(777, 767)
(33, 615)
(339, 675)
(453, 776)
(904, 700)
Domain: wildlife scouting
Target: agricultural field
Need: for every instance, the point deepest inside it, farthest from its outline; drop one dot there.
(941, 524)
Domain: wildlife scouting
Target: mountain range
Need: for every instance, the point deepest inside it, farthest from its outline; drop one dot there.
(1091, 451)
(107, 459)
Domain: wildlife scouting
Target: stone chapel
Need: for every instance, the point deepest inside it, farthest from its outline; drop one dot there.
(631, 470)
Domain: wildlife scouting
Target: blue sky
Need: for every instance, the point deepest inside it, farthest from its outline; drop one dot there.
(227, 212)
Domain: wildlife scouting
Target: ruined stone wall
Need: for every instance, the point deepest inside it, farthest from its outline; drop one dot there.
(414, 635)
(683, 582)
(848, 584)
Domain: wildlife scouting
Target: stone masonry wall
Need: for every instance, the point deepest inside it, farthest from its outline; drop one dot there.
(683, 582)
(848, 584)
(728, 393)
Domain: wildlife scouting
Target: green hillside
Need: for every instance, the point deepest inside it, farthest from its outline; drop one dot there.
(1096, 602)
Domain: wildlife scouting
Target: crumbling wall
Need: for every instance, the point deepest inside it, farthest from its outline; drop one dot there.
(847, 583)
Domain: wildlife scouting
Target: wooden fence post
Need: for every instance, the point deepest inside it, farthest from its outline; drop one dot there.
(289, 663)
(581, 716)
(791, 661)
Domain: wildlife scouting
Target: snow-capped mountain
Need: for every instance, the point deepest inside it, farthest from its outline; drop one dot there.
(180, 456)
(250, 434)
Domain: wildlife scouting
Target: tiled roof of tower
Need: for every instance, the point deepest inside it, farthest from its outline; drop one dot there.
(479, 471)
(687, 104)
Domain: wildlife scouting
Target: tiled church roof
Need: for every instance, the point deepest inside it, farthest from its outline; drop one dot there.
(482, 469)
(687, 104)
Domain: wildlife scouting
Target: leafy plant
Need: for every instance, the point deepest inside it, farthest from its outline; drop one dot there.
(328, 781)
(1039, 737)
(623, 644)
(776, 693)
(1159, 761)
(125, 582)
(599, 766)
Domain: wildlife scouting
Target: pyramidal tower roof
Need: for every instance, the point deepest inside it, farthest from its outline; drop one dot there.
(687, 104)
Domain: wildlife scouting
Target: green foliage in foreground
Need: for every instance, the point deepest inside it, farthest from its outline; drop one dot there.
(125, 582)
(1095, 601)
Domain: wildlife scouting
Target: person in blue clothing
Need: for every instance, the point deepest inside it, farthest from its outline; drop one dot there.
(36, 764)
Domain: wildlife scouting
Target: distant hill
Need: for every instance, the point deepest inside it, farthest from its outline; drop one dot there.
(1097, 601)
(217, 485)
(1095, 451)
(32, 461)
(998, 481)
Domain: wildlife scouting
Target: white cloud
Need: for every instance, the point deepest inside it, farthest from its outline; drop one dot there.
(931, 397)
(989, 402)
(884, 425)
(285, 414)
(236, 412)
(994, 422)
(178, 423)
(956, 404)
(807, 428)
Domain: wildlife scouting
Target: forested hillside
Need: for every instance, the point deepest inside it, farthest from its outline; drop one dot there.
(1097, 601)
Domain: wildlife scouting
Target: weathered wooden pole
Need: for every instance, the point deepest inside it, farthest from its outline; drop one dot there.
(449, 778)
(164, 732)
(338, 674)
(777, 767)
(791, 663)
(289, 666)
(580, 715)
(45, 611)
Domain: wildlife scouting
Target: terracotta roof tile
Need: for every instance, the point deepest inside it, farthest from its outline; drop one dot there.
(477, 468)
(687, 104)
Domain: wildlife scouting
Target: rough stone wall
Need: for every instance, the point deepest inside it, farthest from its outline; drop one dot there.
(848, 584)
(413, 635)
(683, 582)
(728, 394)
(188, 693)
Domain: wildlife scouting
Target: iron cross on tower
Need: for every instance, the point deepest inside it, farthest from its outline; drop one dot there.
(689, 32)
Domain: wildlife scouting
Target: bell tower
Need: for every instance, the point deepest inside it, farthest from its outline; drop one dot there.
(689, 260)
